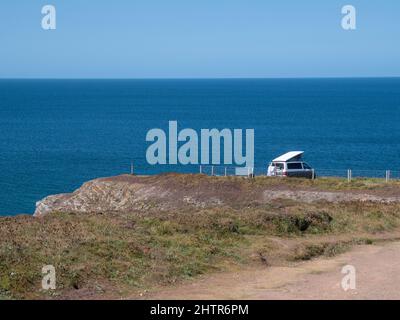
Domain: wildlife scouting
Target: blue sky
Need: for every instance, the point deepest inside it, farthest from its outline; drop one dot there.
(199, 39)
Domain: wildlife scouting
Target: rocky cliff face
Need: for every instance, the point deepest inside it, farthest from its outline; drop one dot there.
(131, 194)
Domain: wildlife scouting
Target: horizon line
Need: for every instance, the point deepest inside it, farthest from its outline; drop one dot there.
(199, 78)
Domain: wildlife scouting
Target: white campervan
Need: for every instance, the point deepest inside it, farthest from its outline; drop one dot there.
(290, 164)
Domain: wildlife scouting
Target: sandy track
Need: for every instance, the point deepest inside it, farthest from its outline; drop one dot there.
(377, 277)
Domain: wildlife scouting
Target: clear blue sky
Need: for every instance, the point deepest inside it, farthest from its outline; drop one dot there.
(199, 38)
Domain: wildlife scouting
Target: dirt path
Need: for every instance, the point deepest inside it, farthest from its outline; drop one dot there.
(377, 277)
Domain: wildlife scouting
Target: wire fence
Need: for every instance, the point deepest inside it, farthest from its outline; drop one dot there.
(218, 170)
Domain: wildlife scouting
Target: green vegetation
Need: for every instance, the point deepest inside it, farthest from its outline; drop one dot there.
(321, 183)
(128, 251)
(114, 254)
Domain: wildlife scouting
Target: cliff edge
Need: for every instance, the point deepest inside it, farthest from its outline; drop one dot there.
(128, 193)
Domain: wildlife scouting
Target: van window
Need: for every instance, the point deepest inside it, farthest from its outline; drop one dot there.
(306, 166)
(294, 166)
(279, 166)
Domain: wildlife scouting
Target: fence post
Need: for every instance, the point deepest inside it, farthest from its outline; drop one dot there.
(212, 170)
(132, 167)
(387, 175)
(225, 172)
(200, 170)
(349, 175)
(313, 174)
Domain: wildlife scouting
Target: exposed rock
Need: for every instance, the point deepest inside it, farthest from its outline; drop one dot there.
(312, 196)
(127, 193)
(103, 195)
(131, 193)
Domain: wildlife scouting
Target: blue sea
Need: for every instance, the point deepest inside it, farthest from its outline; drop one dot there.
(57, 134)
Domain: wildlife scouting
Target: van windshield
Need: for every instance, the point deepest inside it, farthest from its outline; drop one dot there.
(306, 166)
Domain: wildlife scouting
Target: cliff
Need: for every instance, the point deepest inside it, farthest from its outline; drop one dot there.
(127, 193)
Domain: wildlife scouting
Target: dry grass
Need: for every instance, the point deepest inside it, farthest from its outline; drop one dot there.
(324, 183)
(114, 253)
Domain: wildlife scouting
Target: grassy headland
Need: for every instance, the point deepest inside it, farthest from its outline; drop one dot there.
(120, 254)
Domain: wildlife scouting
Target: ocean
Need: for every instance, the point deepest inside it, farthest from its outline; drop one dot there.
(57, 134)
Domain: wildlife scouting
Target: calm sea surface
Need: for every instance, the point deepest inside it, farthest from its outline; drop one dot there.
(56, 134)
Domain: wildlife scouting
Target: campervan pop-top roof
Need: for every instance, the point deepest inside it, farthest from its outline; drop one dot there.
(289, 156)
